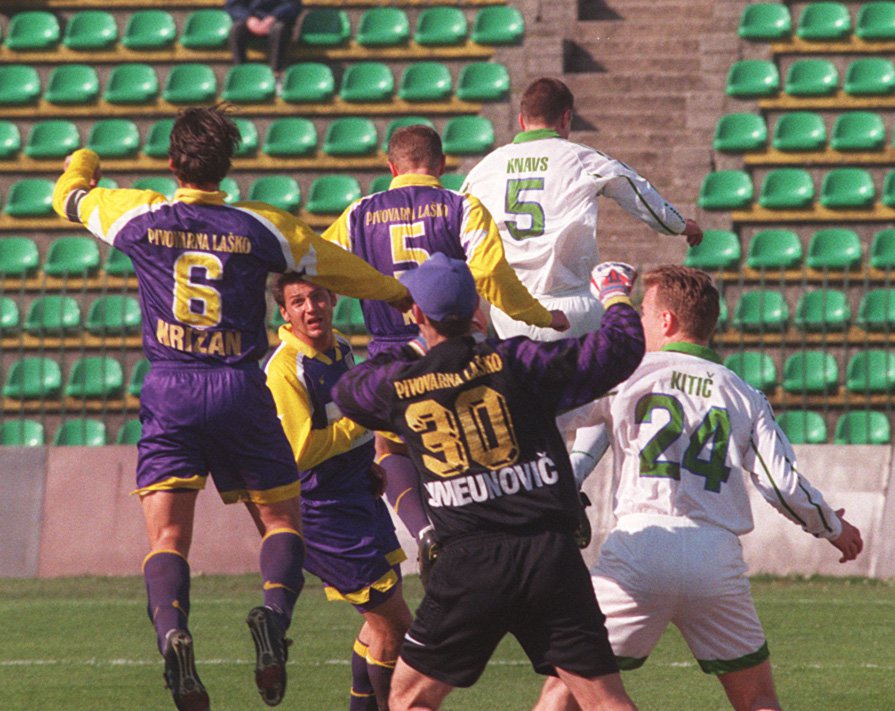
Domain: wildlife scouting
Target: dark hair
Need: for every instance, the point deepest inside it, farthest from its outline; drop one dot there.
(690, 294)
(415, 146)
(203, 141)
(546, 100)
(452, 326)
(281, 281)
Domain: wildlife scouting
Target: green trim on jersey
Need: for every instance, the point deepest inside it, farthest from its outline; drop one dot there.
(693, 349)
(630, 663)
(724, 666)
(535, 135)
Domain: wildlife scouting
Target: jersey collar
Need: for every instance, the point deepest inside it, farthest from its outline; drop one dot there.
(535, 135)
(693, 349)
(402, 181)
(191, 195)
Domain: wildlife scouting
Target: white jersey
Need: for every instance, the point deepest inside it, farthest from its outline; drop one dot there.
(687, 434)
(542, 191)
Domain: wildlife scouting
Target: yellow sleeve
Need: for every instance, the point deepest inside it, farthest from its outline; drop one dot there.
(338, 232)
(494, 277)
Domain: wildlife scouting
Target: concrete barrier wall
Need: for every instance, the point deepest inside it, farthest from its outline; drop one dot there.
(69, 511)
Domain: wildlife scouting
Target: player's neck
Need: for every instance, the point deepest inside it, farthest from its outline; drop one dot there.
(205, 187)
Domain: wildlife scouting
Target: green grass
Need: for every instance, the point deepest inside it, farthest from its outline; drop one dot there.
(86, 644)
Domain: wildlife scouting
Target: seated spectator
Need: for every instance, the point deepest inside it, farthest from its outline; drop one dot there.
(273, 19)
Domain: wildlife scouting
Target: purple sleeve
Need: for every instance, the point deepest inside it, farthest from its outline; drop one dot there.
(571, 372)
(363, 393)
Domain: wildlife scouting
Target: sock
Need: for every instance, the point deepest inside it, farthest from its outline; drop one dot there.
(362, 696)
(282, 555)
(402, 489)
(588, 448)
(380, 673)
(167, 576)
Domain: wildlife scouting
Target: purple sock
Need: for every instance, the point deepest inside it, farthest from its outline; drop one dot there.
(402, 489)
(167, 577)
(362, 696)
(380, 673)
(282, 554)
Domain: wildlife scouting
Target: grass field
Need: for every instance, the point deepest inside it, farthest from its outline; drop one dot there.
(86, 644)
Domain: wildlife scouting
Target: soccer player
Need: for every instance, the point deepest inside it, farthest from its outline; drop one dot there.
(349, 537)
(201, 268)
(398, 229)
(478, 417)
(688, 436)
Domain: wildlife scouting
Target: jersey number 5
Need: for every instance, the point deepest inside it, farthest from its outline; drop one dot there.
(187, 292)
(533, 211)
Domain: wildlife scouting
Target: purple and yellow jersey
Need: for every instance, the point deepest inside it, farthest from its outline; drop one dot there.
(202, 265)
(333, 454)
(478, 419)
(400, 228)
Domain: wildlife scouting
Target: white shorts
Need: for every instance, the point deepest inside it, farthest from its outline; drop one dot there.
(583, 310)
(655, 570)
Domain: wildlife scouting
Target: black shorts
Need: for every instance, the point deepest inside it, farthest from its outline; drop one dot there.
(535, 587)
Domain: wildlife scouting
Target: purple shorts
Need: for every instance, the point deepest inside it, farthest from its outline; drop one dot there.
(378, 345)
(350, 544)
(219, 421)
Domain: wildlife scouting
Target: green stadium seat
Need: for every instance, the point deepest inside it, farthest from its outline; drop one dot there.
(324, 27)
(54, 138)
(22, 433)
(367, 81)
(163, 184)
(190, 84)
(765, 22)
(130, 433)
(114, 314)
(248, 137)
(348, 317)
(10, 318)
(453, 181)
(799, 131)
(18, 256)
(19, 84)
(723, 314)
(760, 311)
(231, 188)
(847, 188)
(33, 31)
(149, 30)
(756, 368)
(131, 83)
(380, 183)
(72, 84)
(810, 372)
(281, 191)
(108, 183)
(882, 249)
(138, 375)
(824, 22)
(888, 196)
(114, 138)
(834, 248)
(774, 249)
(498, 24)
(30, 197)
(871, 371)
(822, 310)
(157, 138)
(483, 81)
(858, 131)
(10, 140)
(33, 378)
(90, 31)
(207, 28)
(350, 136)
(440, 26)
(726, 190)
(719, 249)
(751, 78)
(787, 189)
(876, 21)
(383, 27)
(811, 77)
(95, 377)
(863, 427)
(290, 136)
(425, 81)
(876, 312)
(72, 256)
(249, 83)
(803, 426)
(308, 82)
(81, 432)
(401, 122)
(118, 264)
(739, 133)
(331, 194)
(468, 135)
(870, 76)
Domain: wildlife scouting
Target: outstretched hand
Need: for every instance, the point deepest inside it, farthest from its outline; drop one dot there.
(613, 279)
(94, 180)
(692, 232)
(559, 321)
(849, 541)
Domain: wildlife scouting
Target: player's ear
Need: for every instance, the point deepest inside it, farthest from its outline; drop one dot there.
(521, 122)
(670, 323)
(283, 313)
(393, 168)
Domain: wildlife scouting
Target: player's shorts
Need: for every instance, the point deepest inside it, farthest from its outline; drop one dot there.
(219, 421)
(534, 587)
(655, 570)
(350, 544)
(583, 310)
